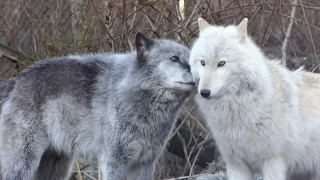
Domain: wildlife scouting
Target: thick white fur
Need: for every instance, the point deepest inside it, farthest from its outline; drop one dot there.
(264, 118)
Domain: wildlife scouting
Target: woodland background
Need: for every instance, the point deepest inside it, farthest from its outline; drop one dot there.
(31, 30)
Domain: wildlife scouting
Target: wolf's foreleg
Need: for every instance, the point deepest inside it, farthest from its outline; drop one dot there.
(22, 148)
(143, 171)
(115, 164)
(238, 171)
(274, 169)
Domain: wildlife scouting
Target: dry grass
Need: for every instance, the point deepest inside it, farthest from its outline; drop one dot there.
(46, 28)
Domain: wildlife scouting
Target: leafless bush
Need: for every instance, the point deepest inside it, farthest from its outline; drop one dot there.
(46, 28)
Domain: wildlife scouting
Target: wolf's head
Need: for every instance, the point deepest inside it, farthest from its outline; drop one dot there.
(163, 64)
(224, 60)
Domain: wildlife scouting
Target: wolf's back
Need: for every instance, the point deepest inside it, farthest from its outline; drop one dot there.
(6, 86)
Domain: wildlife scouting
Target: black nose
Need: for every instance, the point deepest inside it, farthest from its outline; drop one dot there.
(205, 93)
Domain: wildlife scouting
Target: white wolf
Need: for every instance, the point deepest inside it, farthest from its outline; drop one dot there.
(264, 118)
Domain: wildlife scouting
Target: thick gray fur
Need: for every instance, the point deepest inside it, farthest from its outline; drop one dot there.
(118, 109)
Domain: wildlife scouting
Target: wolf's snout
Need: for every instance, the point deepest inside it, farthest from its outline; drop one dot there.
(205, 93)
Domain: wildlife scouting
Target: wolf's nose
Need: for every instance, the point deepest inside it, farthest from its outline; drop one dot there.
(205, 93)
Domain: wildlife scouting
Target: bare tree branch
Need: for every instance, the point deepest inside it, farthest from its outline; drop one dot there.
(288, 33)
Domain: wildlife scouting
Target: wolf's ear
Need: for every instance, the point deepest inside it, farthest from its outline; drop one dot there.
(242, 30)
(143, 46)
(203, 24)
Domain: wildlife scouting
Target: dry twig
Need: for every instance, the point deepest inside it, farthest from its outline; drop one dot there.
(288, 33)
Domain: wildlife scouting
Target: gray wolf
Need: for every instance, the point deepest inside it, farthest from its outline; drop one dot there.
(264, 118)
(118, 109)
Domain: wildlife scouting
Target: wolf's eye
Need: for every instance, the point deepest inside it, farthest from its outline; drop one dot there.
(174, 58)
(202, 63)
(221, 63)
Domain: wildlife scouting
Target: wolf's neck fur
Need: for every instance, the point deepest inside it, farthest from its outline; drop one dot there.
(161, 103)
(263, 79)
(152, 113)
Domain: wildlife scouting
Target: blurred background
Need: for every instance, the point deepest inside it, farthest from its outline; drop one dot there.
(30, 30)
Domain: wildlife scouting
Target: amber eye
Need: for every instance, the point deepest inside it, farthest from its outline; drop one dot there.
(174, 58)
(202, 63)
(221, 63)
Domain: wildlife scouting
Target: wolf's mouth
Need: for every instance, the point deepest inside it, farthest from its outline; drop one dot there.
(187, 83)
